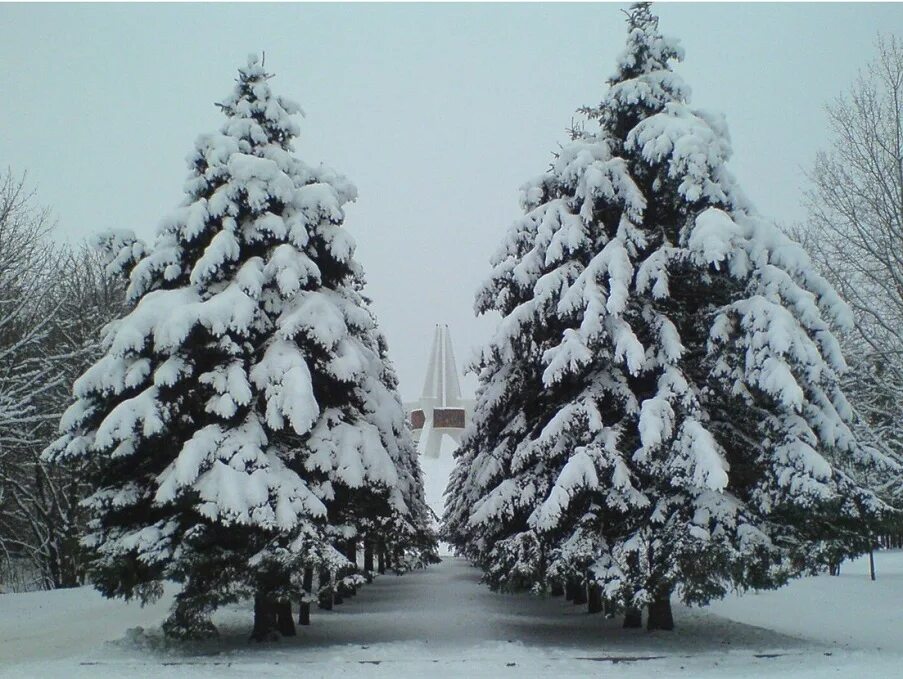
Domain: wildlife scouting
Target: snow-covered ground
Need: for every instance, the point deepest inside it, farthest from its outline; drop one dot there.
(442, 622)
(849, 611)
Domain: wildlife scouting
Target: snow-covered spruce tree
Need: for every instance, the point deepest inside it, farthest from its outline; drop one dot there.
(406, 536)
(401, 528)
(238, 422)
(659, 408)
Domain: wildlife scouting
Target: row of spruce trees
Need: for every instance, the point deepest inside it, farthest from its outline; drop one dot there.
(659, 409)
(242, 433)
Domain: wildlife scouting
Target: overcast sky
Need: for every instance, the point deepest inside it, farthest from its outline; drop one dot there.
(438, 113)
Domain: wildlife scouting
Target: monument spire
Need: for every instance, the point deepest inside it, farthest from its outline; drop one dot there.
(441, 409)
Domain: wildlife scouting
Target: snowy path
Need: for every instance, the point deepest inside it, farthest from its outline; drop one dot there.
(439, 622)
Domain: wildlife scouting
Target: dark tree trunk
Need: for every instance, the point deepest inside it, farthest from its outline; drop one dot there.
(304, 606)
(872, 563)
(351, 552)
(660, 613)
(304, 613)
(570, 590)
(284, 621)
(557, 589)
(594, 605)
(633, 618)
(381, 561)
(339, 589)
(325, 595)
(351, 555)
(368, 560)
(265, 615)
(579, 593)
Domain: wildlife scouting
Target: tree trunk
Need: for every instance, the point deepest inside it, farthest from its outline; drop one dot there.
(579, 593)
(660, 613)
(368, 560)
(264, 618)
(284, 621)
(557, 589)
(633, 618)
(381, 561)
(595, 599)
(326, 594)
(351, 555)
(351, 552)
(304, 613)
(570, 590)
(872, 563)
(304, 606)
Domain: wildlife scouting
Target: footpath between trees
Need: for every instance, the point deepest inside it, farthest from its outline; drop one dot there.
(439, 622)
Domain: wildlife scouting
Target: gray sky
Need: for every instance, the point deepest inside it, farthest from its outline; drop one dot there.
(437, 112)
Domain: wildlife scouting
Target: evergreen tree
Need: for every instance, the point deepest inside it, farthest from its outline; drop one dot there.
(239, 424)
(408, 530)
(660, 403)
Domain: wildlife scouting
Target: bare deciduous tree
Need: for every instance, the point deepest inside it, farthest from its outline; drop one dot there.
(25, 260)
(24, 263)
(855, 234)
(53, 303)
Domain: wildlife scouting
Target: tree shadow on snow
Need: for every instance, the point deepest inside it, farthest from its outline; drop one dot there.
(444, 610)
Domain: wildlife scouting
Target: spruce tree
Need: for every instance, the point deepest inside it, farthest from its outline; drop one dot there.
(239, 427)
(659, 406)
(408, 530)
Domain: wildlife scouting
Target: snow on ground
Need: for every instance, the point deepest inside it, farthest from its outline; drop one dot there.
(443, 623)
(849, 611)
(65, 623)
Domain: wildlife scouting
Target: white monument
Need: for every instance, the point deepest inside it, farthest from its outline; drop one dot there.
(440, 410)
